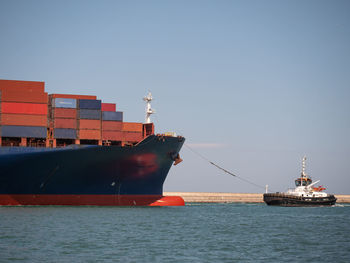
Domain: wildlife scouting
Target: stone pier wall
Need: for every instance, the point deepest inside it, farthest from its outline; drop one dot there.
(196, 197)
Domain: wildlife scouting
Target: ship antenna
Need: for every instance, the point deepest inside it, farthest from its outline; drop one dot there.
(149, 110)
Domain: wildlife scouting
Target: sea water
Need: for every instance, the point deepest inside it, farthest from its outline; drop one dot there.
(195, 233)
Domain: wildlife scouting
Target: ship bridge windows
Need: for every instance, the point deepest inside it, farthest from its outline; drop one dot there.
(303, 181)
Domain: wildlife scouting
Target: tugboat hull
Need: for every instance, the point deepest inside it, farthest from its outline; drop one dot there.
(280, 199)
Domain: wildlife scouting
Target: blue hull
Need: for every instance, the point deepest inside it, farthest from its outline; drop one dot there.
(88, 170)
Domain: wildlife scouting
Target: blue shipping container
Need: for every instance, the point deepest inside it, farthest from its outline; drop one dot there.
(90, 114)
(64, 103)
(24, 131)
(112, 116)
(90, 104)
(65, 133)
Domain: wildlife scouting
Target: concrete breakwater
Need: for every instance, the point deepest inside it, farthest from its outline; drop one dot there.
(197, 197)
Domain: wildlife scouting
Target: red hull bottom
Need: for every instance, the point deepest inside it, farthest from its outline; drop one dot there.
(95, 200)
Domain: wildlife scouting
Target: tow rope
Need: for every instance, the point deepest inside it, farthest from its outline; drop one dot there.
(223, 169)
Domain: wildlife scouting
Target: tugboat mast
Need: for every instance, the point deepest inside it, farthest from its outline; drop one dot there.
(303, 174)
(305, 180)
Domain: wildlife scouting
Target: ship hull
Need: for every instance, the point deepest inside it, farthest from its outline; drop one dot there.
(280, 199)
(91, 200)
(89, 175)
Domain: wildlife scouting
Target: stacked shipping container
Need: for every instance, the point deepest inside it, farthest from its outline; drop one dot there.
(63, 117)
(132, 131)
(114, 129)
(89, 119)
(26, 111)
(23, 110)
(112, 124)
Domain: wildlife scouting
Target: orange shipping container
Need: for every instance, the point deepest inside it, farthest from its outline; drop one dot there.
(112, 135)
(65, 123)
(132, 126)
(18, 95)
(73, 96)
(89, 134)
(35, 86)
(112, 125)
(23, 120)
(89, 124)
(24, 108)
(132, 136)
(64, 113)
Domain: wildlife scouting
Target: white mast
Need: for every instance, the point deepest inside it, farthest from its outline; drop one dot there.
(303, 174)
(149, 110)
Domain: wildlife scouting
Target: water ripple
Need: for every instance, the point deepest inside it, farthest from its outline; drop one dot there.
(195, 233)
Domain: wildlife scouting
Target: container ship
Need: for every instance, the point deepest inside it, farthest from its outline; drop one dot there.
(64, 149)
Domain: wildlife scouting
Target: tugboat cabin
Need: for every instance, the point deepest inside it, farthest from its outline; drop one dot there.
(303, 181)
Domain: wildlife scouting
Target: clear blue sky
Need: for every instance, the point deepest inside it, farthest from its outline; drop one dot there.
(252, 85)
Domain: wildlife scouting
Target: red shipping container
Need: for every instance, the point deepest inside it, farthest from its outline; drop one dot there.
(89, 124)
(108, 107)
(23, 120)
(112, 135)
(35, 86)
(24, 108)
(18, 95)
(65, 123)
(132, 126)
(64, 113)
(89, 134)
(148, 129)
(132, 136)
(112, 125)
(73, 96)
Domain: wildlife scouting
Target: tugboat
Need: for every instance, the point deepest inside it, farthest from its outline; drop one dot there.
(304, 194)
